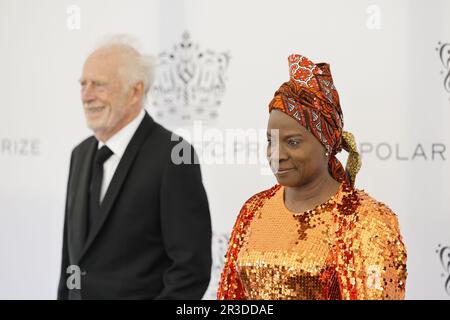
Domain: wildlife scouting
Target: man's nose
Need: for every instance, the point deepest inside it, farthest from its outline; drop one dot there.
(87, 93)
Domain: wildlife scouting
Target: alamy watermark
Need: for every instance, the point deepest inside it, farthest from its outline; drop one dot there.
(373, 21)
(73, 21)
(74, 279)
(232, 146)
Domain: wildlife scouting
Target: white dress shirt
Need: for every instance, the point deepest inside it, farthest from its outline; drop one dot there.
(117, 143)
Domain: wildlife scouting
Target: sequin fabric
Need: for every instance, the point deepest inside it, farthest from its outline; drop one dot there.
(347, 248)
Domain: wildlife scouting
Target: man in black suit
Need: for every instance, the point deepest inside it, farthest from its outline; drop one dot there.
(137, 223)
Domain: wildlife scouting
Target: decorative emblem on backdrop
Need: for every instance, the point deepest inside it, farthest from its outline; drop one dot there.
(190, 82)
(444, 54)
(219, 248)
(444, 257)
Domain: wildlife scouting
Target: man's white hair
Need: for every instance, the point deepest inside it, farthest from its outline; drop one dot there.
(135, 66)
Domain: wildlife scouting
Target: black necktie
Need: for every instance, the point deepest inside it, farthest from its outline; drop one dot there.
(96, 183)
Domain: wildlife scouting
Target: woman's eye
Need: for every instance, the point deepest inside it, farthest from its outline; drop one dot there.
(293, 142)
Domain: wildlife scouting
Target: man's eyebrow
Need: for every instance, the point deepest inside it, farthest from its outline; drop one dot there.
(98, 82)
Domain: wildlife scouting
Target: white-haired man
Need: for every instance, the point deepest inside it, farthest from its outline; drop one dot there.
(137, 225)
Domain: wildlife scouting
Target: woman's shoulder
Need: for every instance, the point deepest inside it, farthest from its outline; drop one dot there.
(251, 206)
(374, 212)
(259, 198)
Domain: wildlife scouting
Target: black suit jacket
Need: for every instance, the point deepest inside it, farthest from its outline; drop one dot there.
(153, 237)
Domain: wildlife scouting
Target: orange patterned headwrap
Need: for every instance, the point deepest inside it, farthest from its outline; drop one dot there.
(312, 100)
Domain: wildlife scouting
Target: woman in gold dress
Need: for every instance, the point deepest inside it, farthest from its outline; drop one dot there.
(313, 235)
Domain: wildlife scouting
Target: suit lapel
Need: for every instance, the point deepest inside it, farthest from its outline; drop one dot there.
(118, 179)
(79, 210)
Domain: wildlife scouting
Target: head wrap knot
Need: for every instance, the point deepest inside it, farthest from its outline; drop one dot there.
(311, 98)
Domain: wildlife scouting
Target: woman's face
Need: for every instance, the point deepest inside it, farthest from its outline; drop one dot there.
(295, 155)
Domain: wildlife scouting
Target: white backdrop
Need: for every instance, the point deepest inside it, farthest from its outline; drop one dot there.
(386, 63)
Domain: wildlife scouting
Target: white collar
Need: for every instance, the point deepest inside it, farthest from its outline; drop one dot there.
(119, 142)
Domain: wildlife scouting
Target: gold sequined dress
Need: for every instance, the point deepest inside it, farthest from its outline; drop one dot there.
(347, 248)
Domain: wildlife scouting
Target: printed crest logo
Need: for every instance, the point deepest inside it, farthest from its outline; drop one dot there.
(444, 54)
(444, 257)
(189, 84)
